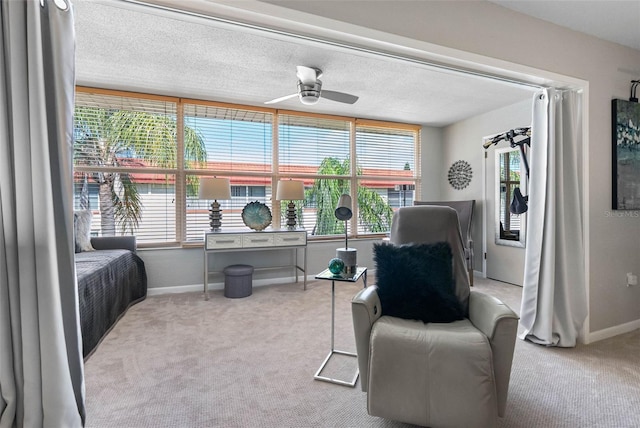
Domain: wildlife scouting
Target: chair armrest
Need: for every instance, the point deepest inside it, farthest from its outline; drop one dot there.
(500, 324)
(365, 310)
(114, 242)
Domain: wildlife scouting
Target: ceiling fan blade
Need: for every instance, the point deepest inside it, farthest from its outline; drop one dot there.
(340, 97)
(277, 100)
(306, 75)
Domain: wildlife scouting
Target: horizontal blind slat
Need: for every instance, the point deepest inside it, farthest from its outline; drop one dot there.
(310, 144)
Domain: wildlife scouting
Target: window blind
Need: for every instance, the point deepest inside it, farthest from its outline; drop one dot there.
(238, 144)
(313, 145)
(119, 131)
(387, 174)
(244, 189)
(125, 155)
(129, 171)
(234, 139)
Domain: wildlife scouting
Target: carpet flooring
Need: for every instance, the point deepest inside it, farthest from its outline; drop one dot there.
(178, 361)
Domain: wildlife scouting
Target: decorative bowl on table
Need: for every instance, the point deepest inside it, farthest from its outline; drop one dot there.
(256, 215)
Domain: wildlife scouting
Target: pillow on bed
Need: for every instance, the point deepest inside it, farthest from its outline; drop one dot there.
(416, 282)
(82, 230)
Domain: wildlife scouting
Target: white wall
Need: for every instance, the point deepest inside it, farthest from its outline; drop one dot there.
(463, 141)
(431, 161)
(176, 267)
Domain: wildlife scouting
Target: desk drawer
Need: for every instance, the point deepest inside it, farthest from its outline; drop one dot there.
(251, 240)
(291, 238)
(223, 241)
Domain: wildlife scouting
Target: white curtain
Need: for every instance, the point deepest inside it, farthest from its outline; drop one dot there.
(554, 304)
(41, 369)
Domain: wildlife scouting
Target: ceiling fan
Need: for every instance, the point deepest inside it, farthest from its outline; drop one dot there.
(310, 89)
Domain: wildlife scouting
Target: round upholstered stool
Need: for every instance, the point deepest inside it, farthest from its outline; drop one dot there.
(237, 281)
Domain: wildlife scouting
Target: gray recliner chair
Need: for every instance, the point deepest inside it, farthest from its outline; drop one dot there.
(435, 374)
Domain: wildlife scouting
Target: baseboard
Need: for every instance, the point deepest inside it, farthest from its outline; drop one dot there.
(220, 285)
(612, 331)
(179, 289)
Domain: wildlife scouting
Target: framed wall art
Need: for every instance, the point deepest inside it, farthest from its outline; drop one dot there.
(625, 130)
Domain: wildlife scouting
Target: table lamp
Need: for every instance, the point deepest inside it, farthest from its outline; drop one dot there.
(213, 188)
(290, 190)
(349, 256)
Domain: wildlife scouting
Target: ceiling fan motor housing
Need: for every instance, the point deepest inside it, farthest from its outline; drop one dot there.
(309, 93)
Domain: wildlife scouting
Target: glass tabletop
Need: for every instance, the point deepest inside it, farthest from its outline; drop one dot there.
(352, 277)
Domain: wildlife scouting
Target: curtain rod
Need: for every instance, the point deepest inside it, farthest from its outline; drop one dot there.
(342, 45)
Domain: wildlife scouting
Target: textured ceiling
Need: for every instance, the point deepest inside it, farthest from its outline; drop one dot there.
(122, 47)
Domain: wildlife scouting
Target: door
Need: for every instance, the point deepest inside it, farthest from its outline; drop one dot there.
(505, 238)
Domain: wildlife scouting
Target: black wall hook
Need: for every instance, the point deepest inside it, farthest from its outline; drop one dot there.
(632, 95)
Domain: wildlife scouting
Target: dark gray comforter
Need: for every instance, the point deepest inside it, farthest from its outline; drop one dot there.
(109, 282)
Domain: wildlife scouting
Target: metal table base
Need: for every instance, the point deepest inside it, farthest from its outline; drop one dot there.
(351, 383)
(361, 272)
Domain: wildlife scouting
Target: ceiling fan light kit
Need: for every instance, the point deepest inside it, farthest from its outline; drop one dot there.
(310, 89)
(309, 94)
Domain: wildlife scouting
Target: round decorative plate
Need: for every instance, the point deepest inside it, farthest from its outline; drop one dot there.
(256, 215)
(460, 174)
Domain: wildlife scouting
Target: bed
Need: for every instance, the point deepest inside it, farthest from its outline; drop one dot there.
(110, 280)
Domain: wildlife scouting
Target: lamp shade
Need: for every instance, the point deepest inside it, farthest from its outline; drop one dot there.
(214, 188)
(290, 190)
(344, 210)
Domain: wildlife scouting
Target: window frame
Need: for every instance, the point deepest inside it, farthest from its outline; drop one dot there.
(180, 172)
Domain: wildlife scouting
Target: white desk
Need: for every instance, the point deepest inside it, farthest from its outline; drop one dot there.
(251, 240)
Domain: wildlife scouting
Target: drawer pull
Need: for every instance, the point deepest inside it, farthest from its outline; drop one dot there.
(225, 241)
(260, 240)
(290, 239)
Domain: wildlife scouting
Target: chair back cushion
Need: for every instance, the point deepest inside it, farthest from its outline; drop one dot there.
(465, 214)
(429, 224)
(416, 282)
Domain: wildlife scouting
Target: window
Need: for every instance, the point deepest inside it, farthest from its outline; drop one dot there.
(387, 172)
(316, 149)
(237, 144)
(139, 159)
(125, 157)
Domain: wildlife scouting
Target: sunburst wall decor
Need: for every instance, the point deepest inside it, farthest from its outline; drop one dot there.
(460, 174)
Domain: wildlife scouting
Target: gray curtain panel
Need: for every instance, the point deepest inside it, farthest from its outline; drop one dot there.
(554, 296)
(41, 371)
